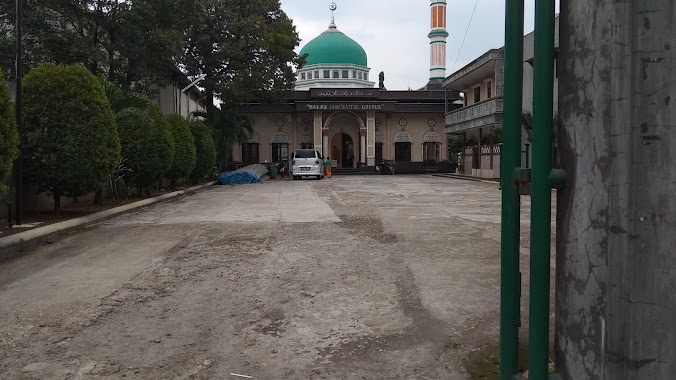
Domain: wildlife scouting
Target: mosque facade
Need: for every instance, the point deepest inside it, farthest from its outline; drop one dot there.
(337, 109)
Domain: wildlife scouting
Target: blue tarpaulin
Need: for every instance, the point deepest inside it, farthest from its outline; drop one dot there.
(239, 177)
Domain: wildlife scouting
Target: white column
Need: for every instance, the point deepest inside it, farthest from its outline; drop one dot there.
(325, 150)
(362, 148)
(318, 124)
(370, 139)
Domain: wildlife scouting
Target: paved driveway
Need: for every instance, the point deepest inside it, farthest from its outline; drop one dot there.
(351, 277)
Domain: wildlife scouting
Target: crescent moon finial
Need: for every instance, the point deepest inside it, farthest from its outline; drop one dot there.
(333, 6)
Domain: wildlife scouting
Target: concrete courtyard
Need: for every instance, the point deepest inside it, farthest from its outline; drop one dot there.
(347, 278)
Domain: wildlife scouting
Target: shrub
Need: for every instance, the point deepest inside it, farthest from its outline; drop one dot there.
(205, 151)
(9, 137)
(70, 143)
(146, 146)
(185, 158)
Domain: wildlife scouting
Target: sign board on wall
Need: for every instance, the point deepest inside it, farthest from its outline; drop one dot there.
(346, 106)
(344, 93)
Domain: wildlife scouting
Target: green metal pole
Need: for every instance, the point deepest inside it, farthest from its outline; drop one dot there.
(510, 287)
(543, 112)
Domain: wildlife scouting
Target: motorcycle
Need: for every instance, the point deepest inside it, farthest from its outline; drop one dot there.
(384, 168)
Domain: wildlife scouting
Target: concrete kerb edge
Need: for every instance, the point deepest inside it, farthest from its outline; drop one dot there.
(12, 245)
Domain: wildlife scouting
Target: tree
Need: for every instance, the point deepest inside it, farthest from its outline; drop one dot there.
(229, 129)
(132, 43)
(9, 137)
(146, 147)
(70, 143)
(205, 151)
(185, 158)
(495, 135)
(455, 147)
(246, 49)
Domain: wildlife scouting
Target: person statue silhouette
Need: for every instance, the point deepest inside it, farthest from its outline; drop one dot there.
(381, 77)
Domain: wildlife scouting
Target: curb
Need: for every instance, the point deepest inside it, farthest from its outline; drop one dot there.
(467, 178)
(12, 245)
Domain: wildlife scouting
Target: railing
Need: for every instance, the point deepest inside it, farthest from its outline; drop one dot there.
(475, 111)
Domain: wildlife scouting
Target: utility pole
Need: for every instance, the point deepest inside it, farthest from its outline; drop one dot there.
(616, 233)
(18, 170)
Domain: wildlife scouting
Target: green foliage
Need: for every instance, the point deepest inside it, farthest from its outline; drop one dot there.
(9, 137)
(185, 158)
(229, 128)
(246, 49)
(69, 142)
(122, 98)
(455, 147)
(495, 135)
(131, 43)
(146, 146)
(205, 151)
(527, 124)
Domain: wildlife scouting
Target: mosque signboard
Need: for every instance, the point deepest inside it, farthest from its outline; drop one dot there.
(346, 106)
(343, 93)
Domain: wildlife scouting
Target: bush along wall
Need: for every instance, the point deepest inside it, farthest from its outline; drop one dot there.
(205, 152)
(9, 137)
(70, 143)
(185, 157)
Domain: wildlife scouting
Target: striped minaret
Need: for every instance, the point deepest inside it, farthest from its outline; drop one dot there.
(438, 36)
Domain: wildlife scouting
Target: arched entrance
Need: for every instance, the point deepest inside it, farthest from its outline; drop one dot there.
(342, 150)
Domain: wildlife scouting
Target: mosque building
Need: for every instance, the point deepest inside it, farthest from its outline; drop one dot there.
(337, 109)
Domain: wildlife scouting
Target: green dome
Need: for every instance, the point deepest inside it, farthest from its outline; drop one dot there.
(334, 47)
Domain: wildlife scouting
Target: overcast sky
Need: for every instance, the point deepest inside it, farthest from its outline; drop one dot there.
(394, 32)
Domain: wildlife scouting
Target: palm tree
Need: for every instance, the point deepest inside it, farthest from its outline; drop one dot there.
(230, 128)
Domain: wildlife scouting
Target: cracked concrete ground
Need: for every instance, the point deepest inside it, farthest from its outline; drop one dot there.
(347, 278)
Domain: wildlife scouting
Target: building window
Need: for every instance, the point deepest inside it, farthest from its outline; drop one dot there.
(250, 153)
(366, 76)
(327, 74)
(317, 74)
(336, 74)
(477, 94)
(280, 152)
(307, 146)
(360, 75)
(431, 152)
(302, 76)
(309, 75)
(346, 74)
(489, 89)
(354, 74)
(464, 98)
(402, 151)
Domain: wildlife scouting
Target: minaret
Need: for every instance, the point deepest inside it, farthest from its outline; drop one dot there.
(438, 36)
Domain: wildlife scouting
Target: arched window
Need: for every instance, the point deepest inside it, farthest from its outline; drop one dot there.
(402, 146)
(431, 147)
(280, 147)
(251, 150)
(306, 141)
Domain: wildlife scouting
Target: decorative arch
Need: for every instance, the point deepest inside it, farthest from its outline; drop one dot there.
(431, 137)
(279, 138)
(253, 139)
(379, 137)
(306, 138)
(403, 137)
(327, 124)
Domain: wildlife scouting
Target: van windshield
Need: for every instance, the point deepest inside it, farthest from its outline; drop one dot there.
(305, 154)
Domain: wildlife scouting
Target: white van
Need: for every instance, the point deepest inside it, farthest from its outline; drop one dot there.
(307, 163)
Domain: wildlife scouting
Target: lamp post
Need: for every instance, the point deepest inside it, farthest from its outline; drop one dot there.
(180, 95)
(18, 71)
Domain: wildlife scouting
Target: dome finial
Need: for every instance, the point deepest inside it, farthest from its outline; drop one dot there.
(333, 8)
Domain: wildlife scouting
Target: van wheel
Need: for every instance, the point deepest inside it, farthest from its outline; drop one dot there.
(295, 178)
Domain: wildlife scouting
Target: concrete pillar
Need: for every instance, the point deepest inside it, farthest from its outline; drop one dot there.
(616, 246)
(318, 128)
(362, 148)
(325, 149)
(370, 143)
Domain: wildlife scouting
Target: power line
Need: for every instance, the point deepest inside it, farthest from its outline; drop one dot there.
(466, 32)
